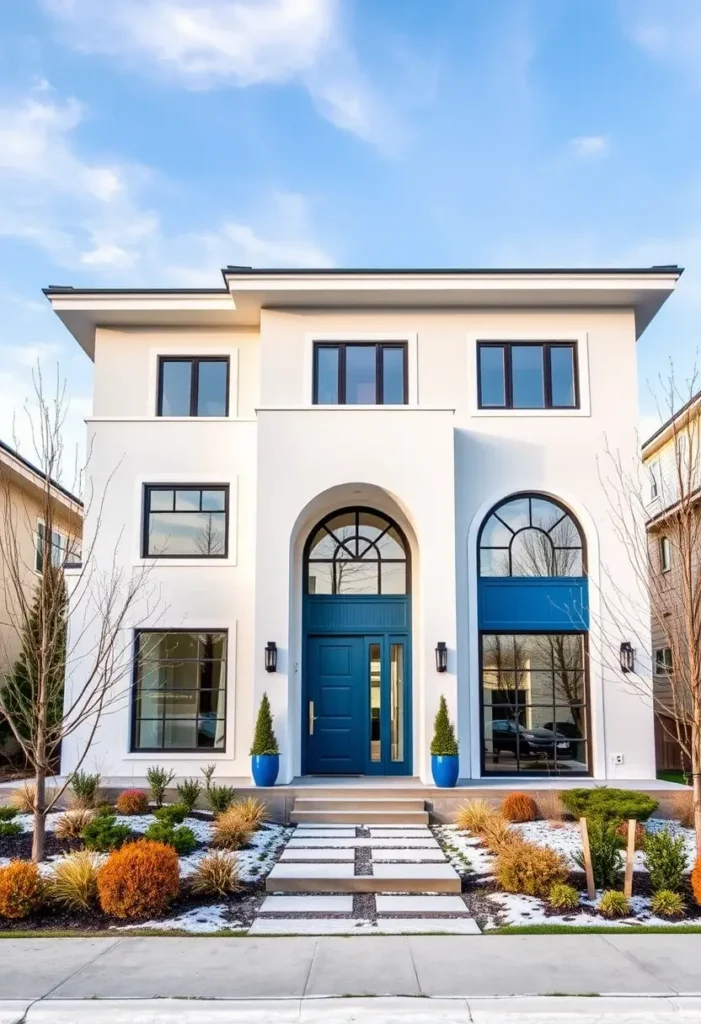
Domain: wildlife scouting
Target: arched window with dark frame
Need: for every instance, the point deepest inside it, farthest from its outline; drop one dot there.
(531, 535)
(357, 551)
(533, 621)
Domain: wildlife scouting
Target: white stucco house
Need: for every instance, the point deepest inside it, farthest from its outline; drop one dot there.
(389, 475)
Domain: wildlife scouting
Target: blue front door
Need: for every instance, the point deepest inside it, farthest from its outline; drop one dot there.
(357, 718)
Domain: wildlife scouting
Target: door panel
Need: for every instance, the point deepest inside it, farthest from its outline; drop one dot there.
(336, 726)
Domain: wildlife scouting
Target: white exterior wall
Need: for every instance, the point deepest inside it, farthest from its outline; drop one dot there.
(436, 466)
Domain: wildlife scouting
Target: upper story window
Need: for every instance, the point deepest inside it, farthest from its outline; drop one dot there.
(665, 554)
(654, 480)
(64, 551)
(663, 661)
(357, 551)
(186, 522)
(189, 386)
(530, 535)
(527, 375)
(350, 373)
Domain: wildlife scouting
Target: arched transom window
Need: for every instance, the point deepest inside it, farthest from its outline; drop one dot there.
(530, 535)
(356, 551)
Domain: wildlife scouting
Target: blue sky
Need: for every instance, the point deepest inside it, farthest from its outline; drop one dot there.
(150, 142)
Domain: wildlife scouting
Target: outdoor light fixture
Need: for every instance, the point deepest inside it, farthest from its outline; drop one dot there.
(271, 656)
(441, 657)
(627, 657)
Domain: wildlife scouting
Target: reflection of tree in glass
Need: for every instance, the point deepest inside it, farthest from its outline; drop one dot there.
(535, 553)
(210, 538)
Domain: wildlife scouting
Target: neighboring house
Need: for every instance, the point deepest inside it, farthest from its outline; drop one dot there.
(673, 472)
(359, 490)
(23, 491)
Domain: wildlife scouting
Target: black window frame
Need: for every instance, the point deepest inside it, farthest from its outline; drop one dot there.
(195, 362)
(342, 347)
(530, 496)
(133, 748)
(547, 347)
(586, 705)
(357, 511)
(146, 511)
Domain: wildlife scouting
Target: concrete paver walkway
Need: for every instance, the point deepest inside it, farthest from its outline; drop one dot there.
(300, 967)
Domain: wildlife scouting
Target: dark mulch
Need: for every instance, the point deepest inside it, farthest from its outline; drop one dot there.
(20, 846)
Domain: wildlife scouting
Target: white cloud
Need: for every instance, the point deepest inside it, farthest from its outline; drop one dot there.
(669, 32)
(206, 44)
(588, 147)
(93, 215)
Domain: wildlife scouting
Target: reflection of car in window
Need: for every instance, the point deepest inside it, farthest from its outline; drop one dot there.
(508, 736)
(569, 729)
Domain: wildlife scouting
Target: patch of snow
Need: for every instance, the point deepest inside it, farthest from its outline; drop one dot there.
(255, 862)
(516, 909)
(202, 920)
(481, 861)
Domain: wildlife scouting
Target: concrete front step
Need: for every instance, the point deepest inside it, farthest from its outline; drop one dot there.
(340, 878)
(358, 817)
(356, 803)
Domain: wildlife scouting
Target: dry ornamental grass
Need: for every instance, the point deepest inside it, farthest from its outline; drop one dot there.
(550, 804)
(473, 815)
(232, 829)
(217, 874)
(71, 824)
(73, 880)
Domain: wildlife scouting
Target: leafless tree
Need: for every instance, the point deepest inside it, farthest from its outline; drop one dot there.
(674, 596)
(73, 625)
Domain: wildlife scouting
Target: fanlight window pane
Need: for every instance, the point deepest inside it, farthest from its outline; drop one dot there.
(531, 536)
(495, 534)
(515, 513)
(357, 552)
(494, 562)
(544, 514)
(532, 554)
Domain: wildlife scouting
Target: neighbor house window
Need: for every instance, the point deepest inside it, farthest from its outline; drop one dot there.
(663, 661)
(64, 551)
(665, 554)
(185, 522)
(654, 481)
(534, 703)
(527, 375)
(179, 691)
(349, 373)
(191, 386)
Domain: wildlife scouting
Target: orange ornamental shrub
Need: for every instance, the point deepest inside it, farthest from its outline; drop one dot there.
(519, 807)
(21, 889)
(640, 833)
(138, 881)
(696, 880)
(132, 801)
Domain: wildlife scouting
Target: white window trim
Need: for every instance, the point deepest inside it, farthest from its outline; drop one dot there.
(195, 351)
(190, 480)
(581, 338)
(64, 536)
(409, 338)
(227, 755)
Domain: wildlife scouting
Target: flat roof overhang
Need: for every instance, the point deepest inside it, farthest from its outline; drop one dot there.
(248, 291)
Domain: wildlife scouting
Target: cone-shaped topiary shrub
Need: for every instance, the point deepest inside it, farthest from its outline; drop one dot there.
(264, 741)
(444, 743)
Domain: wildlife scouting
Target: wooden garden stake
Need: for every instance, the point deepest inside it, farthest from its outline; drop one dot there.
(630, 857)
(589, 870)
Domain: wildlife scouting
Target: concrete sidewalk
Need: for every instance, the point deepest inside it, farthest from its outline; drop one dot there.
(312, 968)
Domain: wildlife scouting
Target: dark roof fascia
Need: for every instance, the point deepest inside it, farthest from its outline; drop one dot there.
(34, 469)
(53, 290)
(466, 271)
(670, 421)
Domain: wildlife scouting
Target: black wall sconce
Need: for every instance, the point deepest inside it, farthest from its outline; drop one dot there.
(441, 657)
(627, 657)
(271, 656)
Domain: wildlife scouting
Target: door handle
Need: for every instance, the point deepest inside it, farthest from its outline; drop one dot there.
(312, 718)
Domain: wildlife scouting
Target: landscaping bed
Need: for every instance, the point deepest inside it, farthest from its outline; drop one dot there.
(234, 843)
(554, 846)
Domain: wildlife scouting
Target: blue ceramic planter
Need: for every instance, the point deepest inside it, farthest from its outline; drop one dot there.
(265, 768)
(445, 769)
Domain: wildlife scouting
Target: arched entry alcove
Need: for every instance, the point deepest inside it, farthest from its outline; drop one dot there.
(356, 645)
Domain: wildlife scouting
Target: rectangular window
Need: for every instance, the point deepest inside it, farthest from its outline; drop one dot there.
(654, 481)
(64, 551)
(527, 375)
(186, 522)
(665, 554)
(179, 691)
(189, 386)
(357, 373)
(534, 704)
(663, 661)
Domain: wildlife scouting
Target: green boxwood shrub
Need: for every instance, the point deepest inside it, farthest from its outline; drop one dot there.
(7, 813)
(665, 858)
(605, 852)
(172, 814)
(103, 834)
(182, 839)
(9, 828)
(608, 804)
